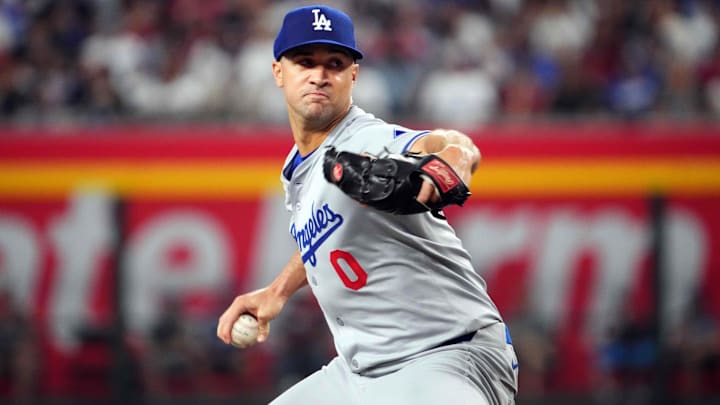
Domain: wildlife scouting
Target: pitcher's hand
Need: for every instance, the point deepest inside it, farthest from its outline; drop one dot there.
(260, 303)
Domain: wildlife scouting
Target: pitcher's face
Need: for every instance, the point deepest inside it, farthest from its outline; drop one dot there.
(317, 81)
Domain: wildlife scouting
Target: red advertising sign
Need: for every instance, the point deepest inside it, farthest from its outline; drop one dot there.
(558, 225)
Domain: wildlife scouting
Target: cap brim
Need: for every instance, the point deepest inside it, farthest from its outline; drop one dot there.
(355, 52)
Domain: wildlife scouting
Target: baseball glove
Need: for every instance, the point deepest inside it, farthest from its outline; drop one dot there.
(391, 183)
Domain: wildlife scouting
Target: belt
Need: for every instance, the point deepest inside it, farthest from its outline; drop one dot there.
(468, 336)
(459, 339)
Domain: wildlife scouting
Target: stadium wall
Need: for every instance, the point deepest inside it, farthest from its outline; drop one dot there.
(558, 224)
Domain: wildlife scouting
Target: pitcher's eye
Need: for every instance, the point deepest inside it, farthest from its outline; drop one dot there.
(336, 64)
(305, 62)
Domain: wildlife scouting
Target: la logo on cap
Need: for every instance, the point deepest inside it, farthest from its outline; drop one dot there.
(321, 23)
(315, 25)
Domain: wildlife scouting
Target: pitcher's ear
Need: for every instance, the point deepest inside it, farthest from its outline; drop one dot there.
(277, 73)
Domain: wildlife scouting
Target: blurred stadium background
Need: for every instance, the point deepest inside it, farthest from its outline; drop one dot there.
(140, 148)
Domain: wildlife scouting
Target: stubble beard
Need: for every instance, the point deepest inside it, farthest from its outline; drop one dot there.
(319, 115)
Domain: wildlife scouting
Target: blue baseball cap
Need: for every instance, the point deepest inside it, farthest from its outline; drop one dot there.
(316, 25)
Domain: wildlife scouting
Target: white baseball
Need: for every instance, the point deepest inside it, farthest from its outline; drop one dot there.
(244, 332)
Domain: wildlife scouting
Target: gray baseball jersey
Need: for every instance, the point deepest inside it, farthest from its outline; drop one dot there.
(390, 286)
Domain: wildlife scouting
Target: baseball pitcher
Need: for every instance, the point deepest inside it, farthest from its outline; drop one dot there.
(411, 319)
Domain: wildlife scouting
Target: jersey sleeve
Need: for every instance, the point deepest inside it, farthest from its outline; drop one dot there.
(286, 193)
(382, 139)
(403, 141)
(285, 177)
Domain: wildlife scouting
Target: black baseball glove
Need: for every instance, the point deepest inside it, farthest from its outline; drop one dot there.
(391, 183)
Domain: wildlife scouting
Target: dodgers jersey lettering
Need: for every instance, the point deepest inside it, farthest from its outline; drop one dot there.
(390, 286)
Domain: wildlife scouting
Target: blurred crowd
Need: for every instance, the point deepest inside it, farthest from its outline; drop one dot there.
(178, 358)
(459, 62)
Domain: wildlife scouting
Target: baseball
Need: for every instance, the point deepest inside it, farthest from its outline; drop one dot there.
(244, 332)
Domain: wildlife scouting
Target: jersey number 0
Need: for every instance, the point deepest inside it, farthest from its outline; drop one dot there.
(341, 260)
